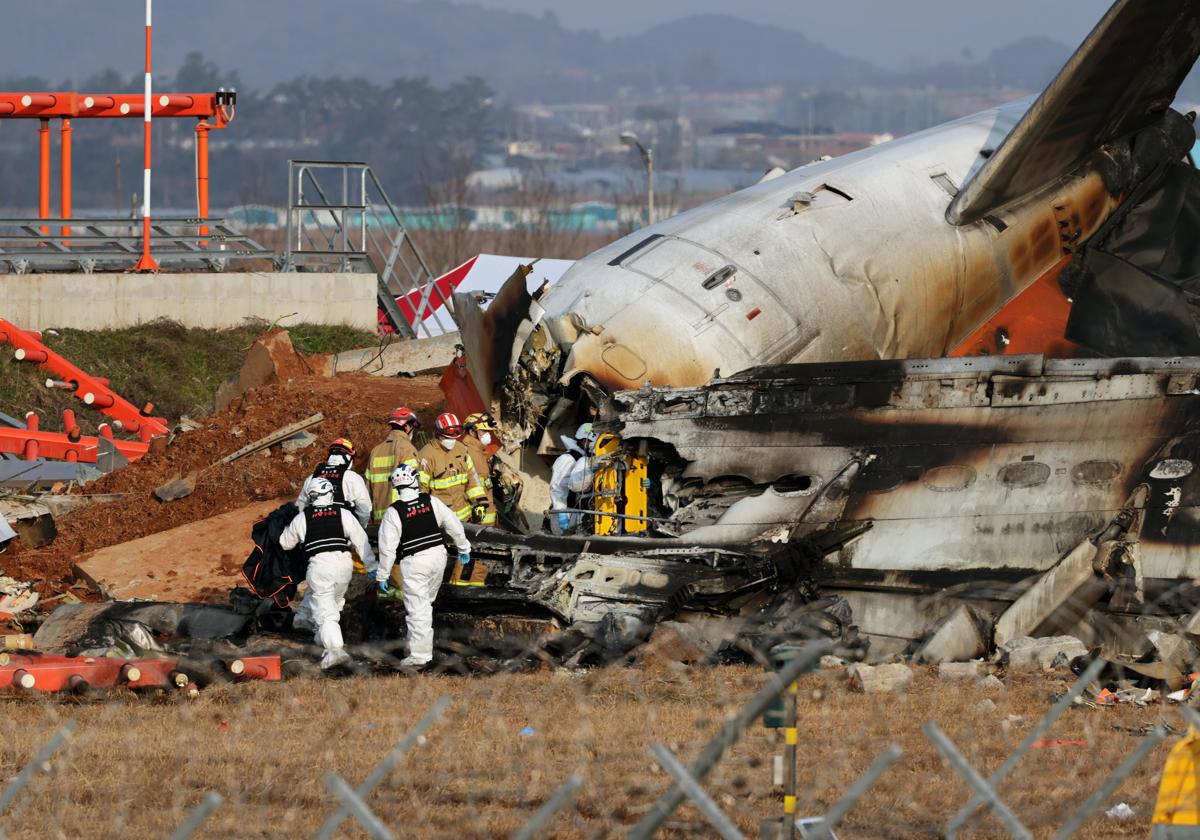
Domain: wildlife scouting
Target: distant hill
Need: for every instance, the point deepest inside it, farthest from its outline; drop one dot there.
(708, 51)
(519, 55)
(1028, 64)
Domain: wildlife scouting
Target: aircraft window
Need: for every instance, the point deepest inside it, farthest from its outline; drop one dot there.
(793, 484)
(879, 480)
(716, 278)
(943, 181)
(1024, 474)
(949, 479)
(627, 254)
(1095, 472)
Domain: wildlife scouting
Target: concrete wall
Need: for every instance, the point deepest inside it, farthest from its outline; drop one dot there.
(212, 299)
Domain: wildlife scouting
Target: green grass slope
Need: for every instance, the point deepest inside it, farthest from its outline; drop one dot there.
(175, 367)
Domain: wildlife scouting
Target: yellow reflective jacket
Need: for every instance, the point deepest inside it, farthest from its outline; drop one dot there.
(1178, 795)
(395, 450)
(452, 477)
(482, 465)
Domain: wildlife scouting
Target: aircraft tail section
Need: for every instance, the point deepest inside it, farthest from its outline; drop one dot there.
(1121, 79)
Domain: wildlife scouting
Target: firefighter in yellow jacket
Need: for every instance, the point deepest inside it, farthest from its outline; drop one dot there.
(480, 438)
(448, 472)
(397, 448)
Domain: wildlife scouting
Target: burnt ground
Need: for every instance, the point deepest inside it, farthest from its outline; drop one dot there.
(354, 405)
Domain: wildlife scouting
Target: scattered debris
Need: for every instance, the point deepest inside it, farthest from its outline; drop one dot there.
(1120, 811)
(1060, 597)
(298, 441)
(963, 670)
(959, 636)
(1040, 654)
(990, 683)
(985, 706)
(13, 604)
(29, 519)
(676, 641)
(878, 679)
(1038, 745)
(1174, 649)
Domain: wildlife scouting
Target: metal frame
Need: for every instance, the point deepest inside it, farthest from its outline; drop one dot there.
(88, 244)
(345, 235)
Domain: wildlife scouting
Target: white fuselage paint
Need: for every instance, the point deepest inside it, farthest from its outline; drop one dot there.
(868, 269)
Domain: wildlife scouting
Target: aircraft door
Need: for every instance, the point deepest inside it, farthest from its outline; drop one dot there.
(723, 300)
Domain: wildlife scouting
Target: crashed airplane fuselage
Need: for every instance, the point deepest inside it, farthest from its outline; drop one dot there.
(902, 251)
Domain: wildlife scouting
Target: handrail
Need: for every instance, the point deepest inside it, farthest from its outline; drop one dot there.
(364, 226)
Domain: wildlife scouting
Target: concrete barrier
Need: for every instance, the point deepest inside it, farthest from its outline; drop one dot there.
(210, 299)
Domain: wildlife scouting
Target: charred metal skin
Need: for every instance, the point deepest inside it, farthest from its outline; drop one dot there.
(971, 470)
(583, 578)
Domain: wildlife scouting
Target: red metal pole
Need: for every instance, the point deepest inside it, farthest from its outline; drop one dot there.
(147, 262)
(44, 171)
(65, 189)
(202, 129)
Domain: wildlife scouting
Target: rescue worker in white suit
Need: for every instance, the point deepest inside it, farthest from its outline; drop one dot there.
(349, 488)
(327, 531)
(572, 472)
(411, 533)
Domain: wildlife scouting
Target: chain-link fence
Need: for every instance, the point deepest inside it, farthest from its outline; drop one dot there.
(654, 748)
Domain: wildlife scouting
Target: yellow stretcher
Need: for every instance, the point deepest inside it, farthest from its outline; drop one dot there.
(619, 487)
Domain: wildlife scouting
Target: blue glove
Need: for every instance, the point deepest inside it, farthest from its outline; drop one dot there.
(382, 586)
(464, 557)
(564, 522)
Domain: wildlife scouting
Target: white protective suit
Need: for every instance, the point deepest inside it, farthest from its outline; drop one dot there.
(354, 488)
(572, 472)
(328, 577)
(421, 572)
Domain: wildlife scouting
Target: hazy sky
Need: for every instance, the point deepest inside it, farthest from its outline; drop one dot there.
(893, 33)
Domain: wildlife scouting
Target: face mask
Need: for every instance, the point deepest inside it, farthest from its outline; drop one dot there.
(485, 438)
(447, 443)
(407, 494)
(337, 459)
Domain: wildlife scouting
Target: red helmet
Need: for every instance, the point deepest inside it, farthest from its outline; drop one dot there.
(402, 417)
(342, 445)
(448, 426)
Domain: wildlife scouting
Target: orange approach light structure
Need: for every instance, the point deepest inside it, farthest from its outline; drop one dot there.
(210, 110)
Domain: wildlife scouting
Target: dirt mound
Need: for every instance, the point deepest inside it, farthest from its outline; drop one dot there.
(354, 405)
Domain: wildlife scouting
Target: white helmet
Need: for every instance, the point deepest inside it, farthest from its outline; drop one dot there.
(404, 475)
(320, 492)
(584, 437)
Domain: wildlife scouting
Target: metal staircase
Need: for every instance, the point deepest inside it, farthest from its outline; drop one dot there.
(361, 232)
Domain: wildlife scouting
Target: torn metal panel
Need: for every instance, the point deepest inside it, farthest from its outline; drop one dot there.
(1071, 586)
(582, 579)
(986, 464)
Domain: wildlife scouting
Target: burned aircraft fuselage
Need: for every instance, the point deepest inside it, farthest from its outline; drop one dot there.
(965, 468)
(969, 470)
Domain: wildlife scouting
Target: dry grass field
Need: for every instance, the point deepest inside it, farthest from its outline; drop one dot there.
(136, 765)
